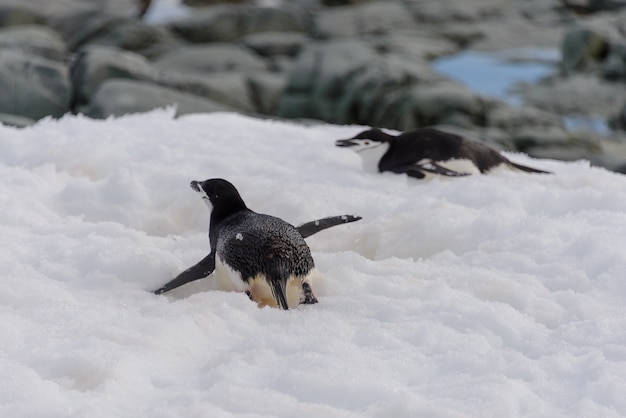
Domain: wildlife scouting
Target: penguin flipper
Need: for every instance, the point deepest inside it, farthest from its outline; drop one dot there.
(199, 271)
(432, 167)
(309, 228)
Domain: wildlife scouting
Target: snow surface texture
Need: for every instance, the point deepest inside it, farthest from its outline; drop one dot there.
(483, 296)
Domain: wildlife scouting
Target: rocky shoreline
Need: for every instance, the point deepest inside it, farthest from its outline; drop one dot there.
(343, 62)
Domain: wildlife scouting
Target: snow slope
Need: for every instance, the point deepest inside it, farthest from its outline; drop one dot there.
(484, 296)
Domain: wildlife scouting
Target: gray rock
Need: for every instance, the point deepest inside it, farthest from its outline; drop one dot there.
(33, 86)
(516, 118)
(319, 76)
(581, 94)
(456, 11)
(52, 10)
(413, 45)
(96, 28)
(34, 39)
(582, 50)
(269, 44)
(94, 65)
(120, 97)
(231, 89)
(14, 14)
(15, 120)
(446, 103)
(614, 66)
(618, 121)
(228, 23)
(211, 58)
(593, 6)
(537, 142)
(267, 90)
(376, 17)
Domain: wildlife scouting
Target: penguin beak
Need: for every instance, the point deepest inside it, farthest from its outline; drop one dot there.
(195, 185)
(345, 143)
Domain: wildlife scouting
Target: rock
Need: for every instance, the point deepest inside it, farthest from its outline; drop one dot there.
(582, 50)
(413, 45)
(229, 23)
(581, 94)
(97, 28)
(618, 121)
(318, 78)
(445, 103)
(120, 97)
(52, 10)
(537, 142)
(211, 58)
(15, 120)
(269, 44)
(228, 88)
(96, 64)
(33, 87)
(513, 119)
(614, 66)
(34, 39)
(593, 6)
(375, 17)
(15, 14)
(267, 90)
(456, 11)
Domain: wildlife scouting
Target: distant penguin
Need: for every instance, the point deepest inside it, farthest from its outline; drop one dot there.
(259, 254)
(427, 151)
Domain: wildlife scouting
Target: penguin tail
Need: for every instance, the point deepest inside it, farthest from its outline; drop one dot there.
(278, 286)
(528, 169)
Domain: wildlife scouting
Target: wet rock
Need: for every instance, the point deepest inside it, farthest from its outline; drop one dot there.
(33, 87)
(228, 23)
(119, 97)
(34, 39)
(209, 58)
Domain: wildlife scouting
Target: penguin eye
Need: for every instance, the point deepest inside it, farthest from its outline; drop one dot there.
(367, 142)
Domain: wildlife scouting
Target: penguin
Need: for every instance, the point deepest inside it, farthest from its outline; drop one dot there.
(425, 152)
(255, 253)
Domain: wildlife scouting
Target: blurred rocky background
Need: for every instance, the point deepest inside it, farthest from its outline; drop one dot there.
(396, 64)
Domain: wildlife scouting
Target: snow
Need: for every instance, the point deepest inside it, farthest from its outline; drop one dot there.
(482, 296)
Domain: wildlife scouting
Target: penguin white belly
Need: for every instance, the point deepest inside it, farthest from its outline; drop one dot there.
(228, 279)
(459, 165)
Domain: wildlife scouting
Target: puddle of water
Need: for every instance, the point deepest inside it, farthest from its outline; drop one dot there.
(494, 74)
(587, 123)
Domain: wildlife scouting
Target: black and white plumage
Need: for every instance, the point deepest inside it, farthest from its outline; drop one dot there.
(259, 254)
(427, 151)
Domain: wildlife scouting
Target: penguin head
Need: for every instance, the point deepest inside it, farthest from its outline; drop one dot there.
(220, 196)
(371, 145)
